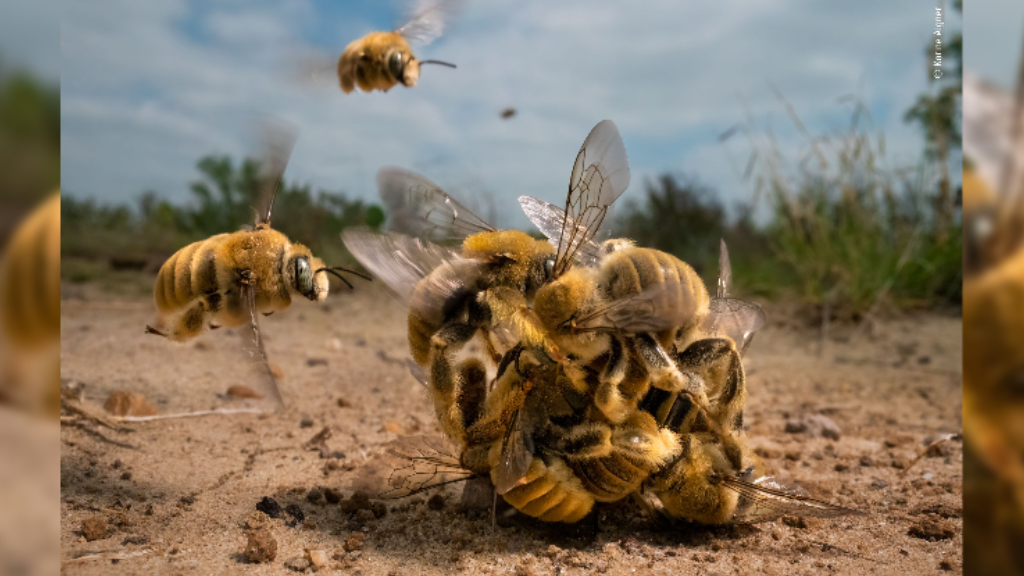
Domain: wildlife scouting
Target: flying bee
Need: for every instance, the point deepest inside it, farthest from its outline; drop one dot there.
(380, 60)
(226, 279)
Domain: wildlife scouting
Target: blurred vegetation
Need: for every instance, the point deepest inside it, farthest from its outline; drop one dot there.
(29, 145)
(222, 201)
(843, 230)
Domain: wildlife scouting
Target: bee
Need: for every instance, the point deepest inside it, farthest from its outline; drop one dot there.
(227, 278)
(437, 282)
(487, 285)
(700, 485)
(380, 60)
(30, 311)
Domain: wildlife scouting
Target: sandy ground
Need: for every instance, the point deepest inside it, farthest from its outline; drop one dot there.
(176, 495)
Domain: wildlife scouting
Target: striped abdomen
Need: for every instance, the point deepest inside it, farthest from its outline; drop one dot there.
(190, 273)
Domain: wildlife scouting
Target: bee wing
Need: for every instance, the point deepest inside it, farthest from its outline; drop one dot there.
(515, 456)
(263, 381)
(402, 262)
(551, 220)
(278, 140)
(736, 319)
(421, 208)
(599, 176)
(659, 307)
(427, 18)
(767, 499)
(410, 465)
(724, 271)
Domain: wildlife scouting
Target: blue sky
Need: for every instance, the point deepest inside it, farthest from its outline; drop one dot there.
(149, 87)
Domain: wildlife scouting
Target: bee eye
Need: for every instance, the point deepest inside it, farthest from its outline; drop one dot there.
(395, 65)
(303, 277)
(549, 266)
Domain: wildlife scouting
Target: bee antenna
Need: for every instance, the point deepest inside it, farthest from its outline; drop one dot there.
(335, 271)
(448, 64)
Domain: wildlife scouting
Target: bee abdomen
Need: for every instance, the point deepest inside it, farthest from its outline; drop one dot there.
(551, 492)
(30, 279)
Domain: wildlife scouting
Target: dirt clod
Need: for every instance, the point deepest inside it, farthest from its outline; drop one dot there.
(332, 495)
(270, 507)
(315, 496)
(94, 528)
(306, 422)
(355, 541)
(121, 403)
(136, 540)
(436, 502)
(932, 529)
(261, 546)
(298, 516)
(358, 501)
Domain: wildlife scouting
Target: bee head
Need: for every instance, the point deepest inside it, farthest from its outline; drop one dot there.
(302, 272)
(562, 300)
(403, 67)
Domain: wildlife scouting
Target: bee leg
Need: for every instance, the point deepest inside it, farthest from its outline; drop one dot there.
(458, 391)
(214, 326)
(664, 373)
(608, 396)
(717, 364)
(151, 330)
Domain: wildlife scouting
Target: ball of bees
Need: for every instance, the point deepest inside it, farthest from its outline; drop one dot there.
(227, 279)
(590, 400)
(380, 60)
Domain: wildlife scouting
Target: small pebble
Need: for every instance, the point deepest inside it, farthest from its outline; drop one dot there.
(243, 392)
(932, 529)
(355, 541)
(318, 558)
(298, 564)
(307, 422)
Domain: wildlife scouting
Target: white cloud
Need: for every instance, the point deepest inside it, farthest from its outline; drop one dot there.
(144, 97)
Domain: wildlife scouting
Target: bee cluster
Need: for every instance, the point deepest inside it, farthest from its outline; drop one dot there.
(576, 370)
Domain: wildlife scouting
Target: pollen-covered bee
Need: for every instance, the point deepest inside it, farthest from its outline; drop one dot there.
(380, 60)
(227, 279)
(487, 286)
(30, 312)
(443, 289)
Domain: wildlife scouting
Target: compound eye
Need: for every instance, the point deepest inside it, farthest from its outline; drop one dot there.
(303, 277)
(396, 66)
(549, 266)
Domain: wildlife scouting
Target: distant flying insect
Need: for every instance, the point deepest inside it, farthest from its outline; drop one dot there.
(508, 113)
(226, 279)
(380, 60)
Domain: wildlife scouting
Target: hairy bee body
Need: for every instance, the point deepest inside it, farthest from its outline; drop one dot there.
(512, 259)
(367, 63)
(30, 312)
(629, 271)
(30, 276)
(199, 284)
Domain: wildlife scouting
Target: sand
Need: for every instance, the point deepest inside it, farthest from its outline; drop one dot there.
(177, 496)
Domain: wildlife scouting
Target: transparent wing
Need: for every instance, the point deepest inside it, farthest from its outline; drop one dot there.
(278, 140)
(427, 19)
(736, 319)
(660, 307)
(767, 499)
(402, 262)
(262, 379)
(724, 271)
(599, 176)
(551, 220)
(408, 466)
(515, 456)
(421, 208)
